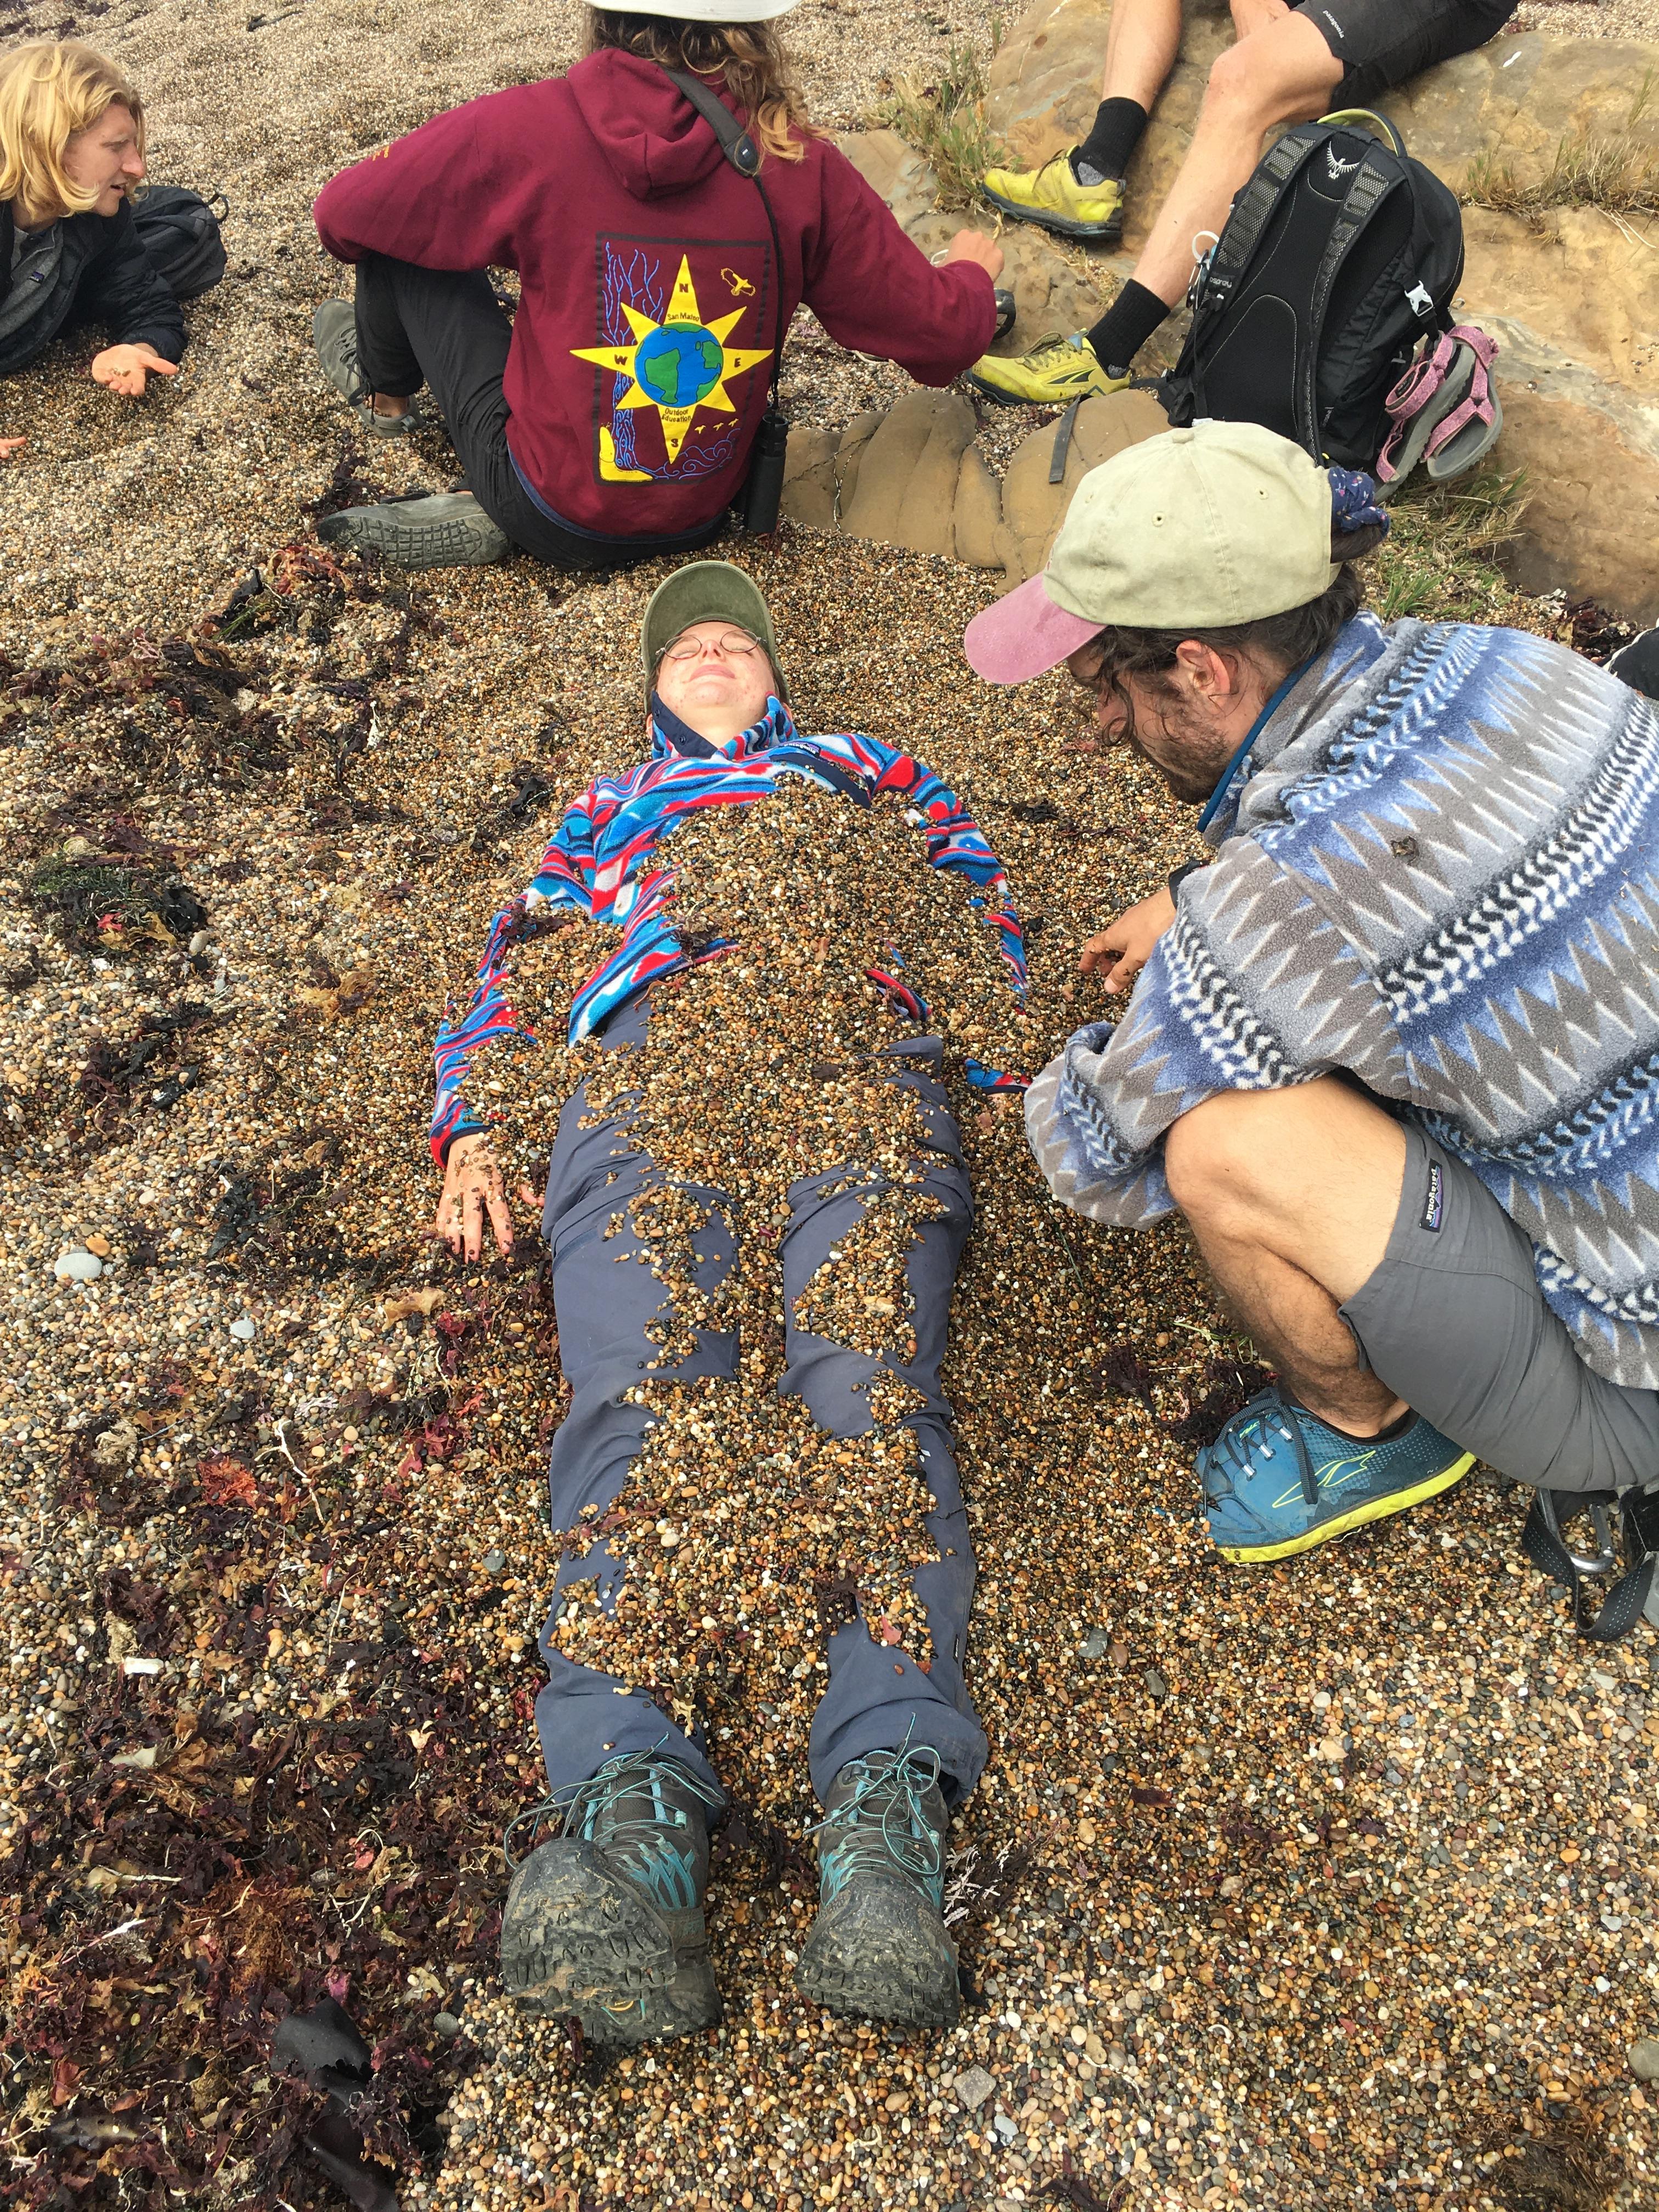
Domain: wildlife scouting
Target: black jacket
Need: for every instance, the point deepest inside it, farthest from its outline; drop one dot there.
(104, 276)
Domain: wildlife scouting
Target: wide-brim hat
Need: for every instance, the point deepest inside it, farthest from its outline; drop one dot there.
(707, 591)
(703, 11)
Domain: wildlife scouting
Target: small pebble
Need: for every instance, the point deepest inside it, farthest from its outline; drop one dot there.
(77, 1268)
(1096, 1643)
(1155, 1684)
(494, 1562)
(1645, 2059)
(974, 2085)
(447, 2025)
(244, 1329)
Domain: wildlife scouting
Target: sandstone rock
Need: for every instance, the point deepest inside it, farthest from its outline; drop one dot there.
(978, 512)
(808, 476)
(904, 179)
(907, 485)
(1033, 508)
(849, 454)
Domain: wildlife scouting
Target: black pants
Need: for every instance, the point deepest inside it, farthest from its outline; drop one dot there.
(445, 328)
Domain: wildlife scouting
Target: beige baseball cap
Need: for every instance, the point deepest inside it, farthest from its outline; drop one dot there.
(1199, 529)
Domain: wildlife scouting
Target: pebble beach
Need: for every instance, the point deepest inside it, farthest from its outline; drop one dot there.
(1324, 1886)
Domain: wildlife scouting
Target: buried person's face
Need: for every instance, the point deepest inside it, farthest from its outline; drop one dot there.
(716, 678)
(105, 159)
(1187, 720)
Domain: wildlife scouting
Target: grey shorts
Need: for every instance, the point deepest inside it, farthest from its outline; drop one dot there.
(1453, 1321)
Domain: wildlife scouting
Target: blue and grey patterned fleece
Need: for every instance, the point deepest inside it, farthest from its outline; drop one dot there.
(1435, 868)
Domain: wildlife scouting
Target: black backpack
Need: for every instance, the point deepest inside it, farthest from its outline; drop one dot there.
(179, 232)
(1339, 255)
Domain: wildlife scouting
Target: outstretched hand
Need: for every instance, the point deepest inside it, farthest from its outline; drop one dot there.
(475, 1190)
(123, 368)
(1122, 949)
(10, 446)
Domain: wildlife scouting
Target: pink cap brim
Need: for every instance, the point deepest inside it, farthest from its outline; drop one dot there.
(1023, 634)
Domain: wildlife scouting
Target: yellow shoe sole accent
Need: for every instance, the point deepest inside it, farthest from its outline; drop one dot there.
(1344, 1524)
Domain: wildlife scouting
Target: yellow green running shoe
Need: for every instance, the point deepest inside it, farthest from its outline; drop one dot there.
(1055, 371)
(1053, 196)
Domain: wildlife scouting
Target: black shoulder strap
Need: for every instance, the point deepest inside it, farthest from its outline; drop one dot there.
(738, 148)
(745, 156)
(1368, 188)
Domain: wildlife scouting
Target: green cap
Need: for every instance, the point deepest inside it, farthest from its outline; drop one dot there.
(707, 591)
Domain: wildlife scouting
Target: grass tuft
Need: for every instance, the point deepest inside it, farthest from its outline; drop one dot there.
(947, 122)
(1437, 562)
(1608, 170)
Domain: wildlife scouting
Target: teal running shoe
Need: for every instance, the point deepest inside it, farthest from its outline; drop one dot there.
(878, 1949)
(1278, 1480)
(606, 1920)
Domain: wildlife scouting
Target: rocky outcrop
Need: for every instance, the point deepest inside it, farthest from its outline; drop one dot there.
(1572, 293)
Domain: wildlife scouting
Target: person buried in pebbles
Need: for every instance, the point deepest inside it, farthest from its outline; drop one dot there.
(1393, 1053)
(755, 1204)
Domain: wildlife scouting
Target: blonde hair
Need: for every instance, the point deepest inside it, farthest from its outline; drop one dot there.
(748, 57)
(47, 94)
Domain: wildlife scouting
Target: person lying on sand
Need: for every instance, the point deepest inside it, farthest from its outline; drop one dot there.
(614, 417)
(1393, 1052)
(755, 1207)
(72, 150)
(1288, 64)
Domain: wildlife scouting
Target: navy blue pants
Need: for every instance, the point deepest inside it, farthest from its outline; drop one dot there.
(877, 1698)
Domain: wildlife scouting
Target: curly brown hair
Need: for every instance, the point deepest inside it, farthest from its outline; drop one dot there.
(747, 57)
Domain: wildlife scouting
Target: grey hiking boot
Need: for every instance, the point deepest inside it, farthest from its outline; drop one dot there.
(441, 530)
(606, 1920)
(334, 334)
(879, 1949)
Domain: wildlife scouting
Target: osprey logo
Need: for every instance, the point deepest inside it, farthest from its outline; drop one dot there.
(1339, 169)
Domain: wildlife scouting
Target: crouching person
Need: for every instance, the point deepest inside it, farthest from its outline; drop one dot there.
(1393, 1052)
(606, 1920)
(71, 153)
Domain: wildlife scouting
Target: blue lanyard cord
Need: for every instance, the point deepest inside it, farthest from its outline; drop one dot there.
(1212, 805)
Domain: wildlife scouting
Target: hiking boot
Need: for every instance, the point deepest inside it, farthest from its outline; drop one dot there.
(443, 530)
(1056, 371)
(878, 1949)
(1277, 1480)
(606, 1920)
(334, 334)
(1052, 196)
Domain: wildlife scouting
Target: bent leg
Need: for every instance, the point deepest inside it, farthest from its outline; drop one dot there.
(1283, 73)
(1291, 1196)
(878, 1699)
(1378, 1273)
(1141, 45)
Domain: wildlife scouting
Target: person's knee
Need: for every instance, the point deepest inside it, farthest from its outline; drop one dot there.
(1265, 79)
(1212, 1162)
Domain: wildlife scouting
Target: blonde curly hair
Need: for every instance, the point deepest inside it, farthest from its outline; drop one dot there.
(749, 59)
(48, 93)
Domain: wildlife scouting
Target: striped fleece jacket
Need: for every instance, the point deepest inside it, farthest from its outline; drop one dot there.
(1436, 869)
(605, 861)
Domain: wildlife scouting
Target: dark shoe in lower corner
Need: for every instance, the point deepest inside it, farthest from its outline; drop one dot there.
(606, 1920)
(878, 1948)
(445, 530)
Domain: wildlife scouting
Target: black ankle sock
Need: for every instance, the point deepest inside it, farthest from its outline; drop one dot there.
(1397, 1428)
(1113, 138)
(1127, 325)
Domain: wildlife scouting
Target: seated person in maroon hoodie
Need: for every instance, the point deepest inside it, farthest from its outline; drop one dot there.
(612, 419)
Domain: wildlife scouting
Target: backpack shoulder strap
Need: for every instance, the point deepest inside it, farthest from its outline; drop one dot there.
(1370, 186)
(1242, 232)
(738, 148)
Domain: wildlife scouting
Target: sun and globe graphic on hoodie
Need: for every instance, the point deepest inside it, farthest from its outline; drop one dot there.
(674, 365)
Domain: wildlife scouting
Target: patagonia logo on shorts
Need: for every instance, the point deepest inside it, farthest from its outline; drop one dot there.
(1433, 1197)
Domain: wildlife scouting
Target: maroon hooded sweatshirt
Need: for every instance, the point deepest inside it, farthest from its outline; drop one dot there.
(642, 353)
